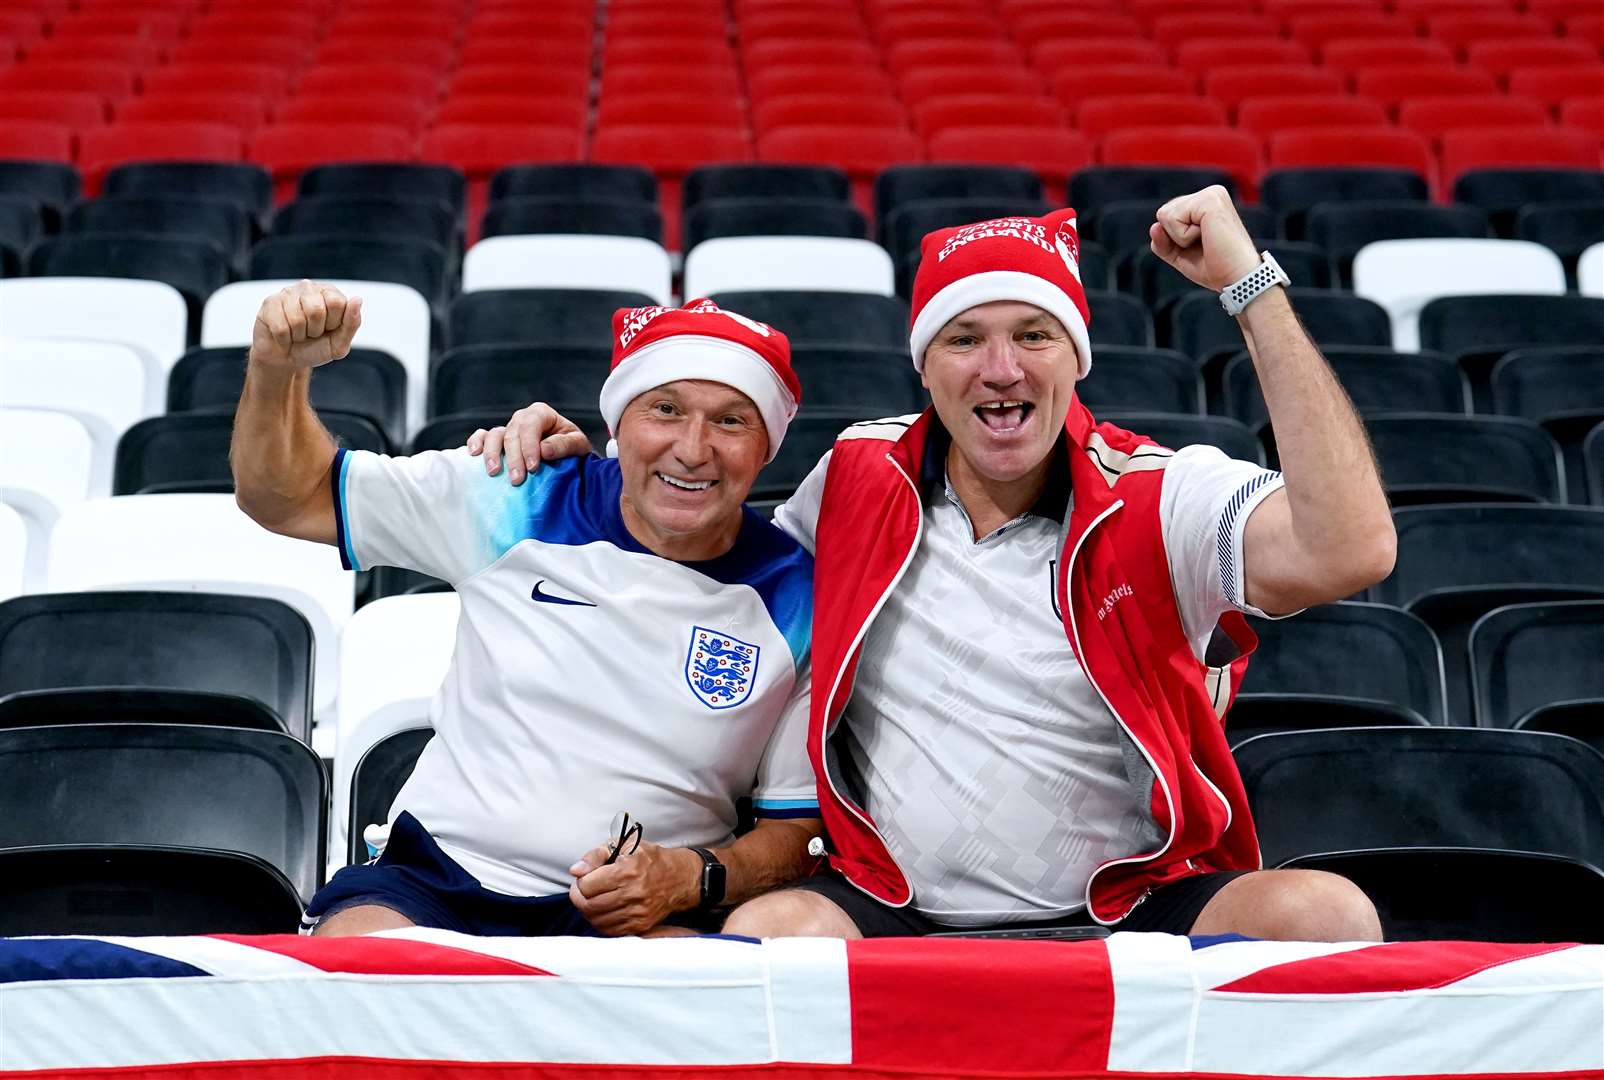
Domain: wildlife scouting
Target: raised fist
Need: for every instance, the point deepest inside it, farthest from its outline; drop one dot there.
(1203, 237)
(305, 326)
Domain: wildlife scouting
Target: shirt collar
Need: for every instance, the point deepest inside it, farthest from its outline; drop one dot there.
(1053, 503)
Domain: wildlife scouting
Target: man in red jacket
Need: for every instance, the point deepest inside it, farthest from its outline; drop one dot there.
(1028, 625)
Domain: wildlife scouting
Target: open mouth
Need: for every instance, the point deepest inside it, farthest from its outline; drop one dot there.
(685, 485)
(1004, 417)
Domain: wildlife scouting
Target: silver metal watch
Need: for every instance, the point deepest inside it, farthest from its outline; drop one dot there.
(1264, 277)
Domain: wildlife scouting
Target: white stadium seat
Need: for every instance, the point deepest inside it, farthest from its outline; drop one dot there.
(102, 385)
(393, 656)
(813, 263)
(1403, 276)
(569, 262)
(395, 318)
(204, 543)
(148, 316)
(1590, 271)
(46, 462)
(13, 552)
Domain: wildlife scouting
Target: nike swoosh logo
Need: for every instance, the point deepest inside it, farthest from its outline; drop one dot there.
(547, 598)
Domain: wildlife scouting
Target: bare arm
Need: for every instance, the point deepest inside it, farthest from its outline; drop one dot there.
(639, 891)
(1329, 532)
(281, 454)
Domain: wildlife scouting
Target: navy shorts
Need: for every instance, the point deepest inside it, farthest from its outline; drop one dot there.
(416, 879)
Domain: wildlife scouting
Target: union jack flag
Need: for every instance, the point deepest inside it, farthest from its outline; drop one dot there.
(428, 1003)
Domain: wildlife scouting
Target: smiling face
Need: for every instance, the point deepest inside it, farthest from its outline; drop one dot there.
(689, 451)
(1002, 376)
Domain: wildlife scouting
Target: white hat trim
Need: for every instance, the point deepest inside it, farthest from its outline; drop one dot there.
(699, 356)
(990, 286)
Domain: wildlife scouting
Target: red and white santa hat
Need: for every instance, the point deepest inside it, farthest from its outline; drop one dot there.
(657, 345)
(1032, 260)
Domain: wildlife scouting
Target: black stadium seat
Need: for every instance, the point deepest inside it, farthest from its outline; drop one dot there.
(249, 187)
(194, 267)
(388, 180)
(1158, 283)
(137, 705)
(260, 793)
(225, 224)
(1175, 431)
(1593, 464)
(903, 184)
(415, 263)
(451, 431)
(1362, 652)
(1527, 656)
(367, 382)
(1439, 458)
(1343, 228)
(574, 181)
(250, 647)
(21, 223)
(1292, 192)
(714, 218)
(824, 318)
(1478, 330)
(1378, 380)
(763, 182)
(1553, 380)
(1503, 192)
(574, 214)
(370, 215)
(52, 185)
(1199, 327)
(189, 451)
(1566, 228)
(872, 381)
(1253, 715)
(384, 767)
(1135, 378)
(1118, 319)
(479, 378)
(1093, 188)
(1319, 792)
(537, 316)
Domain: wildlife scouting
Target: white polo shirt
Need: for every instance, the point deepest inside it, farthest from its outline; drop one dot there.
(590, 675)
(978, 746)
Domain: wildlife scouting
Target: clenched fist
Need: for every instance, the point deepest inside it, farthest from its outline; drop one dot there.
(1202, 236)
(305, 326)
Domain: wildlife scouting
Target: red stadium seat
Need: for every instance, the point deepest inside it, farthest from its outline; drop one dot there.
(925, 25)
(34, 140)
(1422, 11)
(111, 83)
(667, 21)
(206, 47)
(926, 83)
(1550, 86)
(297, 24)
(1506, 147)
(1150, 11)
(1588, 29)
(801, 25)
(124, 49)
(1502, 57)
(1075, 85)
(1396, 83)
(556, 110)
(434, 54)
(1380, 147)
(670, 151)
(1264, 116)
(785, 53)
(1173, 31)
(1432, 117)
(1583, 113)
(480, 149)
(287, 149)
(154, 25)
(1073, 24)
(667, 78)
(75, 111)
(1220, 148)
(1198, 58)
(246, 112)
(263, 80)
(1461, 31)
(1561, 10)
(567, 52)
(766, 83)
(615, 110)
(1348, 55)
(902, 57)
(21, 27)
(1057, 54)
(986, 110)
(397, 23)
(800, 110)
(1099, 116)
(102, 148)
(1314, 29)
(535, 80)
(1051, 153)
(319, 108)
(861, 152)
(698, 51)
(1289, 9)
(376, 78)
(1238, 82)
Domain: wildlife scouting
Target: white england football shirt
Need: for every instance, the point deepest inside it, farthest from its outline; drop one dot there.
(590, 675)
(977, 744)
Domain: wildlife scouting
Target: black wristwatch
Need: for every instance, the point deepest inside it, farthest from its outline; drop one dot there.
(712, 879)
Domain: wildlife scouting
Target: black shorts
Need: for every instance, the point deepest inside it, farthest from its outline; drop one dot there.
(1169, 909)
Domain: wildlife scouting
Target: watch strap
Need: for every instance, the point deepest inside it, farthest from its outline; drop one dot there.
(713, 879)
(1267, 275)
